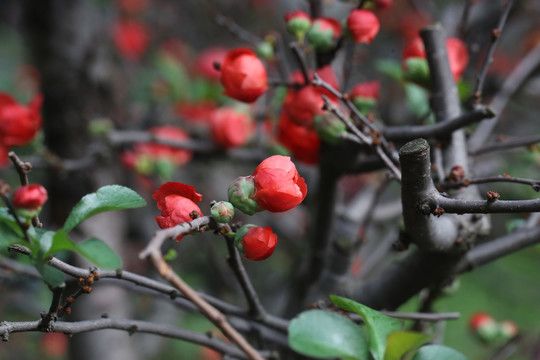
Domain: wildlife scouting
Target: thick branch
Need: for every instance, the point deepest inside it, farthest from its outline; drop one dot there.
(457, 206)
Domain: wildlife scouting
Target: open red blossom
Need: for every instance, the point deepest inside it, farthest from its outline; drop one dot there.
(278, 186)
(19, 124)
(301, 141)
(177, 202)
(30, 197)
(243, 75)
(231, 128)
(363, 25)
(458, 55)
(131, 39)
(259, 243)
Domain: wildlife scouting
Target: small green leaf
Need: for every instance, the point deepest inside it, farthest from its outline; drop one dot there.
(379, 325)
(170, 255)
(95, 250)
(9, 220)
(323, 334)
(438, 352)
(107, 198)
(398, 343)
(8, 236)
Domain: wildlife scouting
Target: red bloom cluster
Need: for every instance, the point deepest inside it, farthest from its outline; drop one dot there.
(257, 243)
(145, 155)
(363, 25)
(230, 127)
(243, 75)
(131, 38)
(19, 124)
(458, 55)
(30, 197)
(177, 202)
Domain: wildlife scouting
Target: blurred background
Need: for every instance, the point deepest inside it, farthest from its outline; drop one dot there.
(112, 71)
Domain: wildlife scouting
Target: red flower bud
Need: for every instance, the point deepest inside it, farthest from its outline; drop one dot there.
(479, 320)
(365, 95)
(19, 124)
(231, 128)
(508, 329)
(278, 186)
(363, 25)
(255, 242)
(131, 39)
(30, 197)
(298, 22)
(177, 202)
(323, 32)
(243, 75)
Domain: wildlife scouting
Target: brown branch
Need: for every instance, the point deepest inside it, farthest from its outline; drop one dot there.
(535, 184)
(508, 144)
(436, 203)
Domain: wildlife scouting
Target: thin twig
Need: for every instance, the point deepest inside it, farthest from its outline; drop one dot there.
(464, 18)
(23, 168)
(301, 59)
(535, 184)
(51, 316)
(495, 35)
(235, 262)
(236, 29)
(508, 144)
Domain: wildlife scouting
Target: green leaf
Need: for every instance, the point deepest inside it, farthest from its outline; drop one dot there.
(438, 352)
(107, 198)
(398, 343)
(52, 276)
(9, 220)
(95, 250)
(323, 334)
(8, 235)
(417, 99)
(379, 325)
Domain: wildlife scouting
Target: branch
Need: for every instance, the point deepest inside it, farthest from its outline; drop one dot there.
(256, 309)
(535, 184)
(301, 60)
(131, 326)
(513, 82)
(457, 206)
(153, 251)
(440, 129)
(495, 34)
(236, 29)
(507, 144)
(495, 249)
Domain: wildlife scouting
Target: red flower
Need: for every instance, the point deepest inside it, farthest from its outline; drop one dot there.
(301, 141)
(177, 202)
(383, 4)
(206, 59)
(363, 25)
(458, 55)
(278, 186)
(258, 243)
(230, 127)
(30, 197)
(131, 39)
(480, 319)
(19, 124)
(243, 75)
(303, 105)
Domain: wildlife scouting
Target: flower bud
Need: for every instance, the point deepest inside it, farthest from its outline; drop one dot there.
(485, 326)
(29, 199)
(241, 193)
(508, 329)
(222, 211)
(298, 23)
(265, 50)
(417, 71)
(329, 127)
(243, 75)
(365, 96)
(363, 25)
(323, 32)
(255, 242)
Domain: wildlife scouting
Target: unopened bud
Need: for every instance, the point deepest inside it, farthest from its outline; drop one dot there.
(222, 211)
(241, 193)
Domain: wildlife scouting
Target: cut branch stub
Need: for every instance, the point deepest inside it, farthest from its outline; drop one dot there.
(427, 232)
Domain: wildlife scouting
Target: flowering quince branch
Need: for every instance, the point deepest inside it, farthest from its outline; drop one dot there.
(495, 34)
(153, 251)
(504, 144)
(23, 168)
